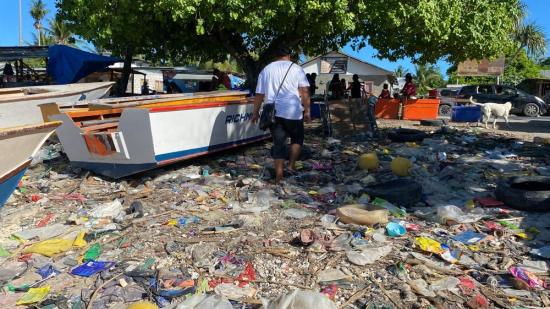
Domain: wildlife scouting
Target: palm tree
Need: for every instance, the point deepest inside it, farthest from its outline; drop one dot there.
(60, 32)
(530, 37)
(38, 12)
(400, 71)
(428, 77)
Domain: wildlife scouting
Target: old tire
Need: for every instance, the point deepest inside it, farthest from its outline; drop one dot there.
(445, 110)
(525, 193)
(402, 192)
(531, 110)
(432, 123)
(406, 135)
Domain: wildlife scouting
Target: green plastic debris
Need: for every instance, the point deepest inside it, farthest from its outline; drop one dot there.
(394, 210)
(93, 253)
(4, 252)
(147, 264)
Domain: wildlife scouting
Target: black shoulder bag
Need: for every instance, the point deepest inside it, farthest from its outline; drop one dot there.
(267, 118)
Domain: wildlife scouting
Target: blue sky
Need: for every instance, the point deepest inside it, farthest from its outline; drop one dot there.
(9, 33)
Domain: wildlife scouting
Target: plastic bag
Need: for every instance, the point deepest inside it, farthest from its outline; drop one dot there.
(394, 210)
(50, 247)
(527, 277)
(92, 267)
(455, 214)
(34, 295)
(430, 245)
(92, 253)
(368, 255)
(300, 299)
(395, 229)
(111, 210)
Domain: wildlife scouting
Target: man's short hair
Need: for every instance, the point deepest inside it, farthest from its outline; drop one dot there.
(283, 51)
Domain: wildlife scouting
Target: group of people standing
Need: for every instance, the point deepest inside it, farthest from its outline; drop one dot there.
(285, 84)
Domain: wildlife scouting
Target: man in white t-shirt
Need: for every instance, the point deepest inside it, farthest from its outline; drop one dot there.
(291, 107)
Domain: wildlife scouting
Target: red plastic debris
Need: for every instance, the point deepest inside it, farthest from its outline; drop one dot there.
(478, 302)
(47, 219)
(24, 257)
(247, 275)
(35, 198)
(330, 291)
(489, 202)
(467, 285)
(493, 226)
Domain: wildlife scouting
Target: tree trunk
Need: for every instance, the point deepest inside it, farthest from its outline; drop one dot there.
(126, 70)
(251, 68)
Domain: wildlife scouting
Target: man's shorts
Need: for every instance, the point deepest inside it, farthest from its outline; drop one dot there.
(282, 129)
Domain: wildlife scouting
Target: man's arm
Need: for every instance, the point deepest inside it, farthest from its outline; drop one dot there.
(304, 96)
(258, 99)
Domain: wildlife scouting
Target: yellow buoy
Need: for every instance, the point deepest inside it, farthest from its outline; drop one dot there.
(368, 161)
(143, 305)
(400, 166)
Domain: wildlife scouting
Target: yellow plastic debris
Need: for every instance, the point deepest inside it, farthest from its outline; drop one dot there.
(34, 295)
(143, 305)
(50, 247)
(470, 204)
(386, 151)
(79, 241)
(172, 222)
(429, 245)
(312, 192)
(369, 161)
(400, 166)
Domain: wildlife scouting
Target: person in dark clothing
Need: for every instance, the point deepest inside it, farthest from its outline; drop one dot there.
(385, 94)
(335, 87)
(355, 87)
(312, 86)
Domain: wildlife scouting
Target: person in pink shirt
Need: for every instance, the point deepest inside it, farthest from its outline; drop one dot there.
(409, 90)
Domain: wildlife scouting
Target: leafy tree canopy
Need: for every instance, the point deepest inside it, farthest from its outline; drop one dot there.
(251, 30)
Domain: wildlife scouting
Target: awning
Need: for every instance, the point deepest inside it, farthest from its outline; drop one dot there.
(68, 65)
(11, 53)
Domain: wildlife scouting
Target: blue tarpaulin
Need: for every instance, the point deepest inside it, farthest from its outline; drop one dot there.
(68, 65)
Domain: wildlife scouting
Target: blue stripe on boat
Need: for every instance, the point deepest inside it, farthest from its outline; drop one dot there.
(211, 148)
(7, 187)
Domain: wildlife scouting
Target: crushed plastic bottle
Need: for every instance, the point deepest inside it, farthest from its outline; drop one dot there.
(394, 210)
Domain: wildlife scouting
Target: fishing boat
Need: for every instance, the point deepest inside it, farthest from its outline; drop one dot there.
(17, 146)
(121, 137)
(19, 106)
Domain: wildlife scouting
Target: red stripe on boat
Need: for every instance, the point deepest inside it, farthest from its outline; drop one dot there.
(193, 106)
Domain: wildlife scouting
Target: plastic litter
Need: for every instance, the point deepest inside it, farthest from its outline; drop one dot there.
(90, 268)
(527, 277)
(368, 255)
(469, 237)
(34, 295)
(395, 229)
(300, 299)
(356, 215)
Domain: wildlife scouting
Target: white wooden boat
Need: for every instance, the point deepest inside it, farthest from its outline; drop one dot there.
(121, 137)
(19, 106)
(17, 146)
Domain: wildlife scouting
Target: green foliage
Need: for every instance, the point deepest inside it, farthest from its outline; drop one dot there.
(400, 71)
(428, 77)
(251, 30)
(38, 12)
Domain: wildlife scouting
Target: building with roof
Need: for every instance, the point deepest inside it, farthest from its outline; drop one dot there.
(334, 62)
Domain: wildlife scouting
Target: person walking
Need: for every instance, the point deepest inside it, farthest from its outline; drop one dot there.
(284, 84)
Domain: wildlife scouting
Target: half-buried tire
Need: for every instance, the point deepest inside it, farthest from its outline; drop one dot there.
(406, 135)
(525, 193)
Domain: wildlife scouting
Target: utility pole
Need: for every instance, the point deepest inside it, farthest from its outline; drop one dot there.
(20, 25)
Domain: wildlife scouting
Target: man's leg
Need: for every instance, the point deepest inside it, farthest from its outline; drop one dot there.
(294, 155)
(279, 148)
(295, 129)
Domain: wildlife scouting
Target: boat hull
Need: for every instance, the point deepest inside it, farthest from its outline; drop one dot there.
(146, 138)
(17, 146)
(26, 111)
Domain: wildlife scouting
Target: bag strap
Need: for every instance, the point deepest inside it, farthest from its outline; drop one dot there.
(282, 82)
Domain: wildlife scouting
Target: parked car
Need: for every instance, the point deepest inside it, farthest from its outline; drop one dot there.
(522, 102)
(539, 87)
(446, 98)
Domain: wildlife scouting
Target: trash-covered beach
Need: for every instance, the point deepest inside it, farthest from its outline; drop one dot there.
(364, 223)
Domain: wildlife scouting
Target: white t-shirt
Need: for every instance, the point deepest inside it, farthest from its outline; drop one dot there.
(288, 104)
